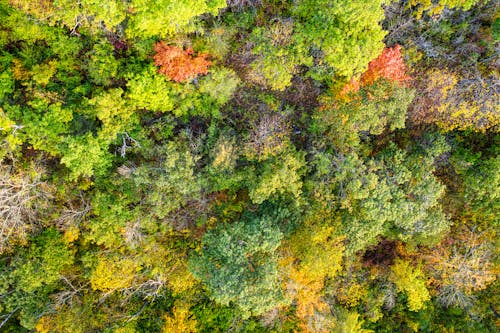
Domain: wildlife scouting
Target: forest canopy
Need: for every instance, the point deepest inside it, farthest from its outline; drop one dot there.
(249, 166)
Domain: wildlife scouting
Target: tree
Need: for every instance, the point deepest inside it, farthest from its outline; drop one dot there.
(169, 183)
(179, 65)
(23, 197)
(350, 323)
(389, 66)
(277, 56)
(165, 18)
(32, 275)
(311, 255)
(374, 109)
(455, 100)
(393, 194)
(150, 90)
(461, 265)
(237, 264)
(181, 320)
(347, 34)
(410, 280)
(101, 64)
(143, 18)
(432, 8)
(280, 175)
(113, 274)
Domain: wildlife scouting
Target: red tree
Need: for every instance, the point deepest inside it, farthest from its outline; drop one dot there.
(389, 65)
(178, 64)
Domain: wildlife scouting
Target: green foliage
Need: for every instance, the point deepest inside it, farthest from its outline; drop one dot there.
(376, 108)
(6, 84)
(32, 275)
(219, 85)
(149, 90)
(166, 18)
(44, 263)
(350, 323)
(281, 175)
(393, 195)
(84, 156)
(101, 64)
(277, 57)
(168, 183)
(347, 34)
(238, 265)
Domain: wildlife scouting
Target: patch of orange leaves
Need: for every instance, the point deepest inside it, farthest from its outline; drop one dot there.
(179, 65)
(389, 65)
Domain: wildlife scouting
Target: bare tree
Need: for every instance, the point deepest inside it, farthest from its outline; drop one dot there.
(22, 197)
(461, 266)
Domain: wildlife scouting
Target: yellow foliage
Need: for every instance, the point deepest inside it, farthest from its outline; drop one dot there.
(319, 255)
(410, 281)
(180, 321)
(43, 325)
(353, 293)
(113, 274)
(181, 279)
(455, 101)
(71, 234)
(19, 72)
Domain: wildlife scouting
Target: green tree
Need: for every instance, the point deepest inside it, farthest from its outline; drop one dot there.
(279, 175)
(237, 264)
(347, 34)
(375, 108)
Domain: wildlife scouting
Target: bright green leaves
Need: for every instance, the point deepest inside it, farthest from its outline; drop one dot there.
(6, 84)
(83, 155)
(238, 265)
(140, 18)
(326, 35)
(150, 90)
(114, 114)
(347, 33)
(167, 17)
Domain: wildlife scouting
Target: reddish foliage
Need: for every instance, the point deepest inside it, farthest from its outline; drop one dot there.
(389, 65)
(178, 64)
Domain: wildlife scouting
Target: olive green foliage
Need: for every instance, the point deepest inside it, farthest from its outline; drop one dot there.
(280, 175)
(238, 264)
(393, 195)
(376, 108)
(169, 182)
